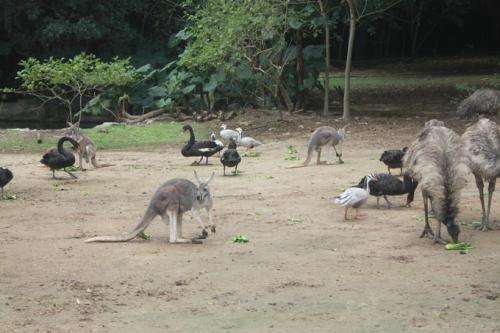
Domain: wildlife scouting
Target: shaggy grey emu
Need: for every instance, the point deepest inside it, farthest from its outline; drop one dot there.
(482, 150)
(435, 160)
(482, 101)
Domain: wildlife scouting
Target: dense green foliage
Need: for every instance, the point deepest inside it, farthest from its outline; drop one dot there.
(211, 53)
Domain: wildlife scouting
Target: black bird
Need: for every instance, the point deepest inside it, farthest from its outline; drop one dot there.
(383, 184)
(230, 158)
(199, 148)
(393, 158)
(60, 158)
(5, 177)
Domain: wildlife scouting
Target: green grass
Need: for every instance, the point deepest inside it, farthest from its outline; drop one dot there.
(116, 137)
(414, 81)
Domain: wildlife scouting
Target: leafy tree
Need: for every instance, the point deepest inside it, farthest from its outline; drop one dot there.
(72, 81)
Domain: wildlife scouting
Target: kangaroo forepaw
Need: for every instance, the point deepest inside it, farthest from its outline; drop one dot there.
(196, 241)
(212, 228)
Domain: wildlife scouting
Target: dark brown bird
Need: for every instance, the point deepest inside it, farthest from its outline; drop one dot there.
(393, 158)
(60, 158)
(5, 177)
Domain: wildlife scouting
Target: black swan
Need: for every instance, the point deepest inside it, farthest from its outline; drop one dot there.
(5, 177)
(393, 158)
(199, 148)
(60, 158)
(230, 158)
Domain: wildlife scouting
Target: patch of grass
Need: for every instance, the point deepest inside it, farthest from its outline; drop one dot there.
(115, 137)
(413, 81)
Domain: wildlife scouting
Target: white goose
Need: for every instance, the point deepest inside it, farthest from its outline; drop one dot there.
(219, 143)
(247, 141)
(227, 134)
(354, 197)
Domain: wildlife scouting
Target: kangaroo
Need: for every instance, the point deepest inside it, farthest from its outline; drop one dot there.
(88, 149)
(324, 136)
(171, 201)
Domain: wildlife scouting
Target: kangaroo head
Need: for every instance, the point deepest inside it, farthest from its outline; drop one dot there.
(73, 130)
(203, 190)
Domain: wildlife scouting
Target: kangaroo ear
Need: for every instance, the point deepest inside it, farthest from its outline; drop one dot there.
(197, 178)
(210, 178)
(69, 124)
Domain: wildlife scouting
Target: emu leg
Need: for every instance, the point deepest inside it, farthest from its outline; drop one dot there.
(427, 229)
(437, 236)
(224, 170)
(53, 173)
(401, 171)
(388, 202)
(480, 188)
(2, 194)
(491, 189)
(378, 204)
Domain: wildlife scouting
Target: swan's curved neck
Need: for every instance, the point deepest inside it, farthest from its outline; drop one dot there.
(60, 147)
(191, 135)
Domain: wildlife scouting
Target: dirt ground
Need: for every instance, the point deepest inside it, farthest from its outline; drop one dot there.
(304, 269)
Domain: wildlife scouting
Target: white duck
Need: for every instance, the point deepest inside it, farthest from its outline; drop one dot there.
(354, 197)
(227, 134)
(247, 141)
(219, 143)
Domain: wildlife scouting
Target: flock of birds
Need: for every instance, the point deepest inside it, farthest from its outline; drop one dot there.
(60, 158)
(438, 160)
(207, 148)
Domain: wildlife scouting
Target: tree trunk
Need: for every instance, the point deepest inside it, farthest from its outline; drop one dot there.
(299, 101)
(326, 84)
(347, 74)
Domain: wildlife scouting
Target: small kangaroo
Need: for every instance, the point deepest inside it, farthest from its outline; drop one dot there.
(324, 136)
(88, 149)
(171, 201)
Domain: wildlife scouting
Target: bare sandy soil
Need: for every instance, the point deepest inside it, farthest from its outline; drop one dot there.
(304, 269)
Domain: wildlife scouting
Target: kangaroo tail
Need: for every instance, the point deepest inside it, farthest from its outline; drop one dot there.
(310, 151)
(96, 165)
(146, 220)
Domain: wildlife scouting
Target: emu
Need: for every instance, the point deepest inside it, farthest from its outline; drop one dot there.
(482, 101)
(435, 160)
(482, 151)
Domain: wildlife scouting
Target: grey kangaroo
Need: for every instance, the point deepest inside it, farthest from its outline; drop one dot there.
(88, 149)
(171, 201)
(324, 136)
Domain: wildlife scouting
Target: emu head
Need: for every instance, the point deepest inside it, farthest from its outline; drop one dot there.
(203, 190)
(453, 229)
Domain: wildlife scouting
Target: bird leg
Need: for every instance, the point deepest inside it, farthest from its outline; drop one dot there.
(378, 205)
(427, 229)
(389, 170)
(206, 160)
(53, 174)
(491, 189)
(357, 216)
(224, 170)
(345, 213)
(388, 202)
(2, 195)
(401, 171)
(480, 188)
(437, 236)
(71, 174)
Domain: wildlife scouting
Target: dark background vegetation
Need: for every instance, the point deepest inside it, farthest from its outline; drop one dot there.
(141, 30)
